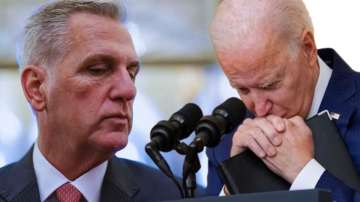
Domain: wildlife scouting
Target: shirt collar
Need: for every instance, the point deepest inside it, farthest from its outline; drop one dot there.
(49, 178)
(321, 85)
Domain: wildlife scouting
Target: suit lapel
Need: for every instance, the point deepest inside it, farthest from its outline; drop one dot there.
(118, 184)
(29, 194)
(340, 90)
(19, 184)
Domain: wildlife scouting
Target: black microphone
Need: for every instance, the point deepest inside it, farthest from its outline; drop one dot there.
(224, 119)
(166, 134)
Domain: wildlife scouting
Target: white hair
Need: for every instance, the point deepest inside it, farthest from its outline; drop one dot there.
(242, 19)
(45, 38)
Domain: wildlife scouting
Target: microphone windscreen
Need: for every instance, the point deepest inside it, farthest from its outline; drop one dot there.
(190, 115)
(233, 110)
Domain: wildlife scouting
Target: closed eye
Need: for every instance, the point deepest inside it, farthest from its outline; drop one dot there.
(99, 69)
(270, 86)
(98, 65)
(133, 69)
(243, 91)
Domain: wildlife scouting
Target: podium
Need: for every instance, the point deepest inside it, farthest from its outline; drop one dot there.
(313, 195)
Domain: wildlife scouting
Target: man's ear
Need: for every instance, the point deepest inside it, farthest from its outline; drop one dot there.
(309, 47)
(33, 83)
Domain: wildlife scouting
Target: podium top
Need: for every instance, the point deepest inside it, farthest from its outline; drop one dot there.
(313, 195)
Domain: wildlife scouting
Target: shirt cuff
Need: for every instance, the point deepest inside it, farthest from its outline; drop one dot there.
(308, 176)
(222, 193)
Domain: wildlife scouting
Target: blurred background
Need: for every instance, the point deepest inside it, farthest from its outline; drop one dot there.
(178, 66)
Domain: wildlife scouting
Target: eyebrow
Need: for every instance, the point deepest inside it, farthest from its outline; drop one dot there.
(267, 80)
(105, 57)
(96, 58)
(273, 78)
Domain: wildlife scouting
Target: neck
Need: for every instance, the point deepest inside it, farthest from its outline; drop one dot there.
(71, 161)
(314, 81)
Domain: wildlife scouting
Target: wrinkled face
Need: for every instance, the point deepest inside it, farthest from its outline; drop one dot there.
(271, 81)
(90, 93)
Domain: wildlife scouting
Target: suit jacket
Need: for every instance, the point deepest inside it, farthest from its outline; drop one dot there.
(342, 96)
(125, 180)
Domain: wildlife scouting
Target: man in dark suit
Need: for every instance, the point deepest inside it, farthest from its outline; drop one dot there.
(78, 70)
(267, 51)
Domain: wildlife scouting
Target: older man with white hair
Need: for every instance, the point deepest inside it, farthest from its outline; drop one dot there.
(267, 50)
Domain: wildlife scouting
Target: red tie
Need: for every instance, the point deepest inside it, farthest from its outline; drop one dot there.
(68, 193)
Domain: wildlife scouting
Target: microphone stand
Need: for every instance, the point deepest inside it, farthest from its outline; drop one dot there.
(159, 160)
(190, 168)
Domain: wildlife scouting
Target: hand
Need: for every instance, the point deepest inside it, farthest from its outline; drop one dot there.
(261, 135)
(296, 150)
(226, 191)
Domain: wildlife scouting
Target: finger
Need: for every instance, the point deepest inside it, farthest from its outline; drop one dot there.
(247, 121)
(269, 130)
(226, 191)
(236, 147)
(277, 122)
(268, 162)
(263, 141)
(297, 120)
(298, 123)
(239, 140)
(254, 147)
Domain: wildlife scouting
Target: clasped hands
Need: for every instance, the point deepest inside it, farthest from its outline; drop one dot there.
(284, 145)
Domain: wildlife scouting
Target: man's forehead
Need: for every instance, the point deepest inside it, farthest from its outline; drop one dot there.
(86, 26)
(256, 77)
(92, 36)
(84, 22)
(249, 60)
(255, 71)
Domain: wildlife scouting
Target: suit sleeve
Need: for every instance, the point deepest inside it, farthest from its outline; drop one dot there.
(339, 191)
(214, 183)
(215, 156)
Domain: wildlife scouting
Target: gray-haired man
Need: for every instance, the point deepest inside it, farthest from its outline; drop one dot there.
(78, 72)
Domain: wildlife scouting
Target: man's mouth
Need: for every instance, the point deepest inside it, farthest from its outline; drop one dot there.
(114, 119)
(116, 116)
(115, 124)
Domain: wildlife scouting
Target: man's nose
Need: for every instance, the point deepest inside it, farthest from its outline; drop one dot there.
(262, 108)
(261, 105)
(123, 86)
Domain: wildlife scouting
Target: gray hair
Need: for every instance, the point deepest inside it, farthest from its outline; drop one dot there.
(294, 19)
(45, 38)
(244, 18)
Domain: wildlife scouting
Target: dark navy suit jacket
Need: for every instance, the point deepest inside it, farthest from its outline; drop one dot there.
(342, 96)
(125, 180)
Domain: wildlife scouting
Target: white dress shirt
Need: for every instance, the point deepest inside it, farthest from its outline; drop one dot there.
(49, 178)
(311, 173)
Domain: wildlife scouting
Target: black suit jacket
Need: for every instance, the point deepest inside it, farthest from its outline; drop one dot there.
(125, 180)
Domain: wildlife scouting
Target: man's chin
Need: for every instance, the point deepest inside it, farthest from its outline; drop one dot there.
(112, 142)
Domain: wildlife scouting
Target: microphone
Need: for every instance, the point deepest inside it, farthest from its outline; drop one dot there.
(224, 119)
(166, 134)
